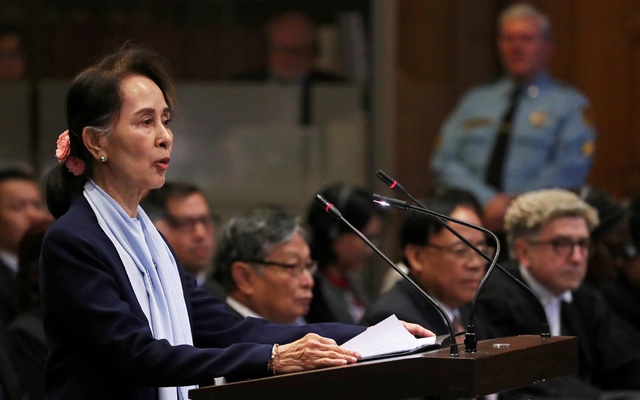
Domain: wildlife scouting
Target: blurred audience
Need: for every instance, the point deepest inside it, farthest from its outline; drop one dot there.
(21, 205)
(623, 293)
(440, 263)
(292, 48)
(13, 59)
(9, 384)
(611, 240)
(182, 214)
(548, 232)
(265, 266)
(522, 133)
(26, 337)
(341, 254)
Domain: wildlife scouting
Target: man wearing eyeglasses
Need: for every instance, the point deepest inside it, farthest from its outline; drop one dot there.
(181, 213)
(264, 263)
(440, 263)
(548, 236)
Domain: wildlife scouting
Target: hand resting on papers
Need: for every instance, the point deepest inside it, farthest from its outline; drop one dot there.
(314, 351)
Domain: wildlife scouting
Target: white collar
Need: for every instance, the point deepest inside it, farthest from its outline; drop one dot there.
(544, 295)
(10, 259)
(245, 311)
(242, 309)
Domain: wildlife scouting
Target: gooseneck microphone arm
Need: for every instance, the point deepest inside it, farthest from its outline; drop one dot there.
(335, 213)
(470, 339)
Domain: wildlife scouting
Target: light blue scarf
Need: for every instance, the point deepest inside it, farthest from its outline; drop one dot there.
(151, 269)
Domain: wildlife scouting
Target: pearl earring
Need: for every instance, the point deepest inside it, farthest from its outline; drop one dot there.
(103, 159)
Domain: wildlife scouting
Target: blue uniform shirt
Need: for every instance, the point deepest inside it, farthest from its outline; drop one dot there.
(552, 139)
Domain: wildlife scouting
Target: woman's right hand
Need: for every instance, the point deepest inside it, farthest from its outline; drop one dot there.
(310, 352)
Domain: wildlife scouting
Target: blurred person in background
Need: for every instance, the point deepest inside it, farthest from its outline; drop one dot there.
(182, 213)
(26, 337)
(13, 58)
(21, 206)
(611, 244)
(623, 292)
(342, 256)
(291, 51)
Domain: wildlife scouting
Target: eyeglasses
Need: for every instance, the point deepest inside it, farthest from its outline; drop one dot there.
(188, 224)
(294, 269)
(564, 246)
(464, 252)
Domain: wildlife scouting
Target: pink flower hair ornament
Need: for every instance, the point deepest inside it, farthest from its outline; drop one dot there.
(63, 146)
(74, 164)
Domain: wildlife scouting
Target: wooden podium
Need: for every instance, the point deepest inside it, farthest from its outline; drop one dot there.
(499, 364)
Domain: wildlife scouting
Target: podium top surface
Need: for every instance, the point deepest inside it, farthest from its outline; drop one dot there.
(499, 364)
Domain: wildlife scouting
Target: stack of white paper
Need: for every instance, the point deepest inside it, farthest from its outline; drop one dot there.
(388, 337)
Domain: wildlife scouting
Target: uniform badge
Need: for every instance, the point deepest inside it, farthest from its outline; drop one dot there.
(473, 123)
(538, 118)
(588, 148)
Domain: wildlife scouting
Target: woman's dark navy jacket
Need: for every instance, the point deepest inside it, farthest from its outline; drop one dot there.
(100, 343)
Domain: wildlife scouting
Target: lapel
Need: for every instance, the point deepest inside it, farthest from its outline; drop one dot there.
(572, 325)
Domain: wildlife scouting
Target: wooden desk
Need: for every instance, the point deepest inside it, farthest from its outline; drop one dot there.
(523, 361)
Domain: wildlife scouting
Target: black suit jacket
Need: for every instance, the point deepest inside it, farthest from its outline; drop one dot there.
(28, 351)
(409, 305)
(7, 279)
(609, 348)
(9, 384)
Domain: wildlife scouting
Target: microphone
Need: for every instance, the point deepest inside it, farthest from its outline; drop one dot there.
(470, 340)
(335, 213)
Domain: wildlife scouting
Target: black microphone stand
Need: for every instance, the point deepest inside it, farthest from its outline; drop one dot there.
(470, 340)
(334, 212)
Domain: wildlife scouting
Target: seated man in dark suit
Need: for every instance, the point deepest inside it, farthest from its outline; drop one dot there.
(21, 206)
(548, 234)
(445, 267)
(264, 263)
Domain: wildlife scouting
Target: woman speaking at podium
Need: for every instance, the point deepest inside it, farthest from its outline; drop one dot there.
(123, 320)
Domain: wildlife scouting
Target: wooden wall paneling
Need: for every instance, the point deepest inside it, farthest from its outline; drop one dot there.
(604, 72)
(630, 182)
(444, 48)
(425, 54)
(596, 42)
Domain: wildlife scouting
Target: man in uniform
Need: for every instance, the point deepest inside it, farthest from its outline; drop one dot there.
(525, 132)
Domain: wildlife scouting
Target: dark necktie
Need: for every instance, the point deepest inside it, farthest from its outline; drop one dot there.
(458, 327)
(496, 163)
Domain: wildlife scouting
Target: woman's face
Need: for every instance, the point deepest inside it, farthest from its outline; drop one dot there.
(139, 145)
